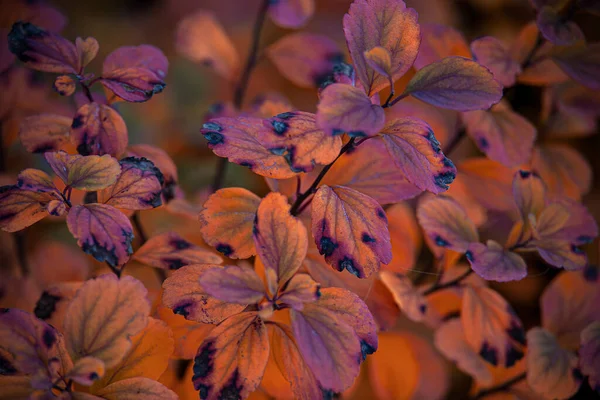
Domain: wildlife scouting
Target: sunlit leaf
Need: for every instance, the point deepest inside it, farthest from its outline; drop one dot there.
(347, 109)
(227, 220)
(415, 150)
(551, 370)
(350, 230)
(170, 251)
(103, 315)
(233, 284)
(134, 388)
(99, 129)
(184, 295)
(385, 23)
(589, 354)
(410, 300)
(439, 41)
(306, 59)
(102, 231)
(495, 56)
(292, 13)
(138, 187)
(232, 359)
(202, 39)
(84, 172)
(494, 263)
(44, 132)
(456, 83)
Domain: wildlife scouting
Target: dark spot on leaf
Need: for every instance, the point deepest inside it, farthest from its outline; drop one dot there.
(517, 333)
(203, 362)
(489, 354)
(213, 137)
(583, 239)
(469, 255)
(365, 349)
(180, 244)
(357, 134)
(182, 309)
(213, 126)
(169, 191)
(174, 263)
(435, 144)
(329, 394)
(423, 308)
(577, 375)
(93, 376)
(232, 391)
(444, 179)
(6, 367)
(448, 163)
(46, 305)
(348, 264)
(278, 151)
(202, 390)
(144, 165)
(337, 132)
(77, 121)
(335, 58)
(483, 143)
(286, 115)
(590, 273)
(49, 337)
(318, 292)
(381, 214)
(524, 174)
(246, 164)
(102, 253)
(440, 241)
(576, 250)
(367, 239)
(18, 37)
(43, 148)
(512, 356)
(279, 127)
(327, 246)
(224, 249)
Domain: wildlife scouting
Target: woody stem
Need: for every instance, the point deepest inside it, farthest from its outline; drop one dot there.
(449, 284)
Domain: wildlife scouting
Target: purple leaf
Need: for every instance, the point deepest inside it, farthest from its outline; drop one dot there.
(494, 263)
(494, 55)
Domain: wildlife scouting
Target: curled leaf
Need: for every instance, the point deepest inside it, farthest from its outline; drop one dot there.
(64, 85)
(99, 129)
(44, 132)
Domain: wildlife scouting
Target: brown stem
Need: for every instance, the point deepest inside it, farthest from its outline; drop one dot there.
(500, 387)
(449, 284)
(87, 92)
(313, 188)
(389, 103)
(454, 143)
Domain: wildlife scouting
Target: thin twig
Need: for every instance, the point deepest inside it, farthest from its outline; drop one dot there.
(87, 92)
(454, 282)
(500, 387)
(397, 99)
(20, 244)
(313, 188)
(454, 142)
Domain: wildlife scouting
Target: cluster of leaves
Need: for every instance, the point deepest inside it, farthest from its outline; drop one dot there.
(309, 311)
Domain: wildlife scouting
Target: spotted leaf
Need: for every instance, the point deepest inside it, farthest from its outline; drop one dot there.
(170, 251)
(296, 137)
(350, 230)
(138, 187)
(102, 316)
(238, 140)
(551, 370)
(456, 83)
(347, 109)
(185, 296)
(233, 284)
(306, 59)
(411, 302)
(300, 289)
(495, 56)
(292, 13)
(99, 129)
(202, 39)
(227, 220)
(502, 134)
(491, 327)
(494, 263)
(163, 162)
(280, 239)
(446, 223)
(88, 173)
(102, 231)
(589, 354)
(232, 359)
(22, 208)
(387, 24)
(415, 150)
(87, 370)
(64, 85)
(44, 132)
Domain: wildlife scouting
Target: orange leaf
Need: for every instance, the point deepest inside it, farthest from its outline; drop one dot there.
(350, 230)
(405, 237)
(103, 315)
(44, 132)
(299, 290)
(87, 49)
(440, 41)
(86, 371)
(134, 388)
(22, 208)
(188, 335)
(232, 359)
(227, 220)
(380, 59)
(410, 300)
(233, 284)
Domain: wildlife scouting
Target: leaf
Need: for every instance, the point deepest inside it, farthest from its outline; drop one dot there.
(163, 162)
(494, 263)
(133, 388)
(569, 304)
(440, 41)
(84, 173)
(86, 371)
(170, 251)
(558, 29)
(227, 220)
(350, 230)
(54, 300)
(581, 63)
(138, 187)
(148, 357)
(99, 129)
(103, 315)
(22, 208)
(294, 369)
(491, 327)
(347, 109)
(446, 223)
(292, 13)
(589, 354)
(551, 370)
(64, 85)
(405, 237)
(300, 289)
(87, 49)
(44, 132)
(495, 56)
(415, 150)
(280, 239)
(328, 345)
(380, 60)
(202, 39)
(529, 192)
(42, 50)
(233, 284)
(502, 134)
(456, 83)
(232, 359)
(410, 300)
(188, 335)
(184, 295)
(135, 73)
(102, 231)
(238, 140)
(489, 182)
(306, 59)
(296, 137)
(35, 180)
(385, 23)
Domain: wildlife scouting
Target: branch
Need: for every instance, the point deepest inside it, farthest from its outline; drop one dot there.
(454, 282)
